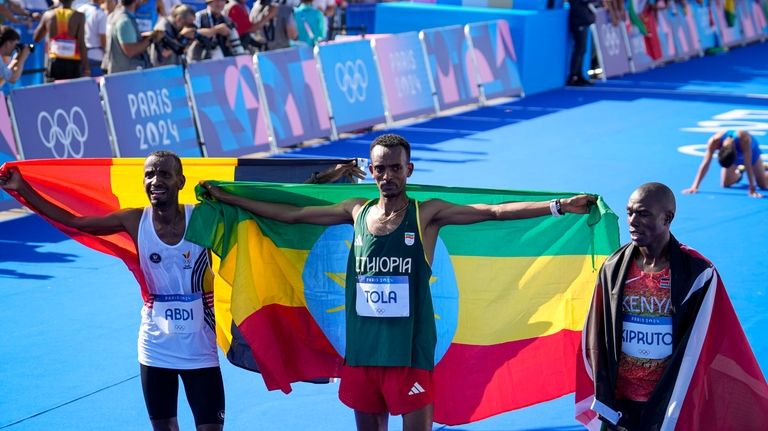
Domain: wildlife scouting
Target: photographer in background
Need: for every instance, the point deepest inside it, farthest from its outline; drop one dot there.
(216, 35)
(9, 45)
(126, 45)
(179, 32)
(95, 34)
(237, 11)
(280, 30)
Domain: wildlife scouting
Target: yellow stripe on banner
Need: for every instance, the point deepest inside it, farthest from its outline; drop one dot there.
(128, 178)
(264, 274)
(509, 299)
(222, 294)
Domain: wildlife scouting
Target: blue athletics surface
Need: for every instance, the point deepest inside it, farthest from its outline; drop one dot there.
(72, 315)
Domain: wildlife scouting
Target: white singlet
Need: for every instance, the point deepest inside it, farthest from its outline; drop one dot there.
(177, 324)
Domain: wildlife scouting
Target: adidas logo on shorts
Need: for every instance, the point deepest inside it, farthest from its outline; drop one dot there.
(416, 389)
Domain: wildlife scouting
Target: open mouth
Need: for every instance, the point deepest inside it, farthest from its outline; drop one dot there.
(157, 193)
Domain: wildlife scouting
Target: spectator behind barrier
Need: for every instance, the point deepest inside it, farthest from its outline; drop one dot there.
(9, 47)
(580, 17)
(64, 30)
(311, 24)
(126, 46)
(179, 32)
(216, 35)
(237, 11)
(279, 31)
(95, 34)
(10, 9)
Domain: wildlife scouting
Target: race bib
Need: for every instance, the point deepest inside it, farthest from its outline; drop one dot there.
(382, 296)
(647, 337)
(178, 314)
(62, 48)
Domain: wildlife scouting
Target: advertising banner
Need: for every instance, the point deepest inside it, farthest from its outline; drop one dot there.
(749, 27)
(611, 45)
(684, 46)
(403, 71)
(148, 110)
(731, 35)
(352, 83)
(231, 118)
(60, 120)
(706, 29)
(665, 31)
(451, 66)
(759, 13)
(294, 95)
(7, 151)
(641, 59)
(495, 58)
(688, 29)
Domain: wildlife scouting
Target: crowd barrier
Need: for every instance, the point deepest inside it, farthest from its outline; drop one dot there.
(241, 105)
(539, 36)
(675, 33)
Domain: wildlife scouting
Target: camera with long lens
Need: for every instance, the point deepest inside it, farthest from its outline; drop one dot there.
(170, 43)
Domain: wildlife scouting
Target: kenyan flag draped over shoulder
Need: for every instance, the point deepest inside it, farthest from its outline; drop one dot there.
(510, 297)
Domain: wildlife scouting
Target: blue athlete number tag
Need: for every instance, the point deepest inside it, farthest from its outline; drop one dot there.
(178, 314)
(382, 296)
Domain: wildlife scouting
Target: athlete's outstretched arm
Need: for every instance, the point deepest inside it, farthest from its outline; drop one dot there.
(441, 213)
(340, 213)
(12, 180)
(704, 166)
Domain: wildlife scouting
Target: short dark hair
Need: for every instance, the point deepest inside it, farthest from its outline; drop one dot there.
(8, 33)
(726, 155)
(127, 2)
(659, 193)
(161, 154)
(391, 140)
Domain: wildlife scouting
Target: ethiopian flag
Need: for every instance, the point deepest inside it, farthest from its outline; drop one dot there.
(510, 297)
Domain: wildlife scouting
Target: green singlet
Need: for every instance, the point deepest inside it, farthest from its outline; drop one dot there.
(390, 319)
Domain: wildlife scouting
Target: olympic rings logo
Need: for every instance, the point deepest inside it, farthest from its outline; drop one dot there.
(58, 132)
(611, 39)
(352, 79)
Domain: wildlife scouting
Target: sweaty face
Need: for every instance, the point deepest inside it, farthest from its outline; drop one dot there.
(648, 220)
(390, 169)
(162, 181)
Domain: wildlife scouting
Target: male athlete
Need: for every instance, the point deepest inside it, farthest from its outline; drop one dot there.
(177, 336)
(390, 347)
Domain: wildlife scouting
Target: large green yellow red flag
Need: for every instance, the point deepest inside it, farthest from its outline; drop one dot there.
(510, 297)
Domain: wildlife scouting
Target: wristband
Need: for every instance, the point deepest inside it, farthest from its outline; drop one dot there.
(554, 208)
